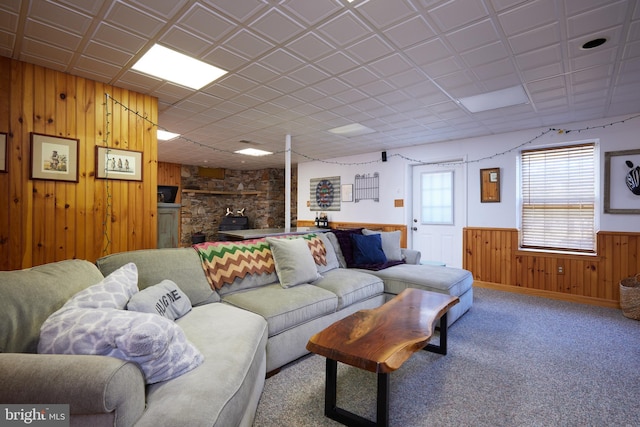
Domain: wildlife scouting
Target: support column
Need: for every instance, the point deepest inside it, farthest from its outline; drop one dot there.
(287, 184)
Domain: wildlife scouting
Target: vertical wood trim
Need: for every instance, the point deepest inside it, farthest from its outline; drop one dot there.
(5, 192)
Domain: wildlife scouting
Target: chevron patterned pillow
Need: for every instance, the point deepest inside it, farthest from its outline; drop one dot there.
(223, 262)
(316, 246)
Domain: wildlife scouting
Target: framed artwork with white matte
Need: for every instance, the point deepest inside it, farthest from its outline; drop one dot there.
(54, 158)
(113, 163)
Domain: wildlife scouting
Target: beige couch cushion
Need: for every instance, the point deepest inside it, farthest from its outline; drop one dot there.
(44, 289)
(285, 308)
(180, 265)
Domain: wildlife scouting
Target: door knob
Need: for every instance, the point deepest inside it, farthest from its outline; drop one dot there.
(415, 228)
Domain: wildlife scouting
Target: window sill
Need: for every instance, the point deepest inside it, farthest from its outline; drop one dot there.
(556, 254)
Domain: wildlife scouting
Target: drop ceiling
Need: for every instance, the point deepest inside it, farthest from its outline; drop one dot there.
(303, 67)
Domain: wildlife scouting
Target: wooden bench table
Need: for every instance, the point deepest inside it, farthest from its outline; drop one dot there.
(380, 341)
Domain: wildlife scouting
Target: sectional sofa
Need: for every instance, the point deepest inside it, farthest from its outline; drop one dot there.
(186, 336)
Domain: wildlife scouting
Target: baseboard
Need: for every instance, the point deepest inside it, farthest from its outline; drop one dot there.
(547, 294)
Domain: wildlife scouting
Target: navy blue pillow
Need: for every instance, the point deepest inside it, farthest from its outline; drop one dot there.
(367, 249)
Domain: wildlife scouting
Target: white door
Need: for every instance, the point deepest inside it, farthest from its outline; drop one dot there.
(439, 212)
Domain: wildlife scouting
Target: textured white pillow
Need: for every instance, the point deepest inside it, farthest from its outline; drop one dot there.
(153, 342)
(114, 291)
(390, 243)
(93, 322)
(165, 299)
(293, 260)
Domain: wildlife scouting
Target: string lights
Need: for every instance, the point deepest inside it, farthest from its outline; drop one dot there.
(109, 206)
(409, 159)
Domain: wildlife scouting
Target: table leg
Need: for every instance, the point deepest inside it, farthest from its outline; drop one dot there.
(383, 400)
(330, 387)
(442, 347)
(345, 417)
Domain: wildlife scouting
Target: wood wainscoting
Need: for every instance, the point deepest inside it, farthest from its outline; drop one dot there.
(494, 258)
(371, 226)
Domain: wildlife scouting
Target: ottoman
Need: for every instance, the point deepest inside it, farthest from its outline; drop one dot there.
(446, 280)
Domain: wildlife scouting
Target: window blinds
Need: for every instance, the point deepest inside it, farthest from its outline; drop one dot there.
(558, 198)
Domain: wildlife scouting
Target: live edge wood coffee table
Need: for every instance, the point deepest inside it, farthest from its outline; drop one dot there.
(380, 341)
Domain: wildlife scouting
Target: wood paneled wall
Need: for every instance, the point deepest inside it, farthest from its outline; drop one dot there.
(492, 255)
(45, 221)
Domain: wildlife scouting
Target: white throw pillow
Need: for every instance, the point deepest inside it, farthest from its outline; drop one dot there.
(293, 260)
(156, 344)
(94, 322)
(114, 291)
(165, 299)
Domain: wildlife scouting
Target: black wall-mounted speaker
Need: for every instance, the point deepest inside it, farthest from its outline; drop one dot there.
(384, 156)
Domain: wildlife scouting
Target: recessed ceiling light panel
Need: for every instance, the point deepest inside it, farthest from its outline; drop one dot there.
(163, 135)
(253, 152)
(496, 99)
(354, 129)
(178, 68)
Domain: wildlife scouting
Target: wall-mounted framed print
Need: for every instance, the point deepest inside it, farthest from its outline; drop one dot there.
(490, 185)
(3, 152)
(622, 182)
(347, 192)
(54, 157)
(113, 163)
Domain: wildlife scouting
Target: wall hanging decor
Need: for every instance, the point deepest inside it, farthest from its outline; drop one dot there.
(325, 194)
(112, 163)
(622, 182)
(54, 158)
(346, 193)
(3, 152)
(489, 185)
(367, 186)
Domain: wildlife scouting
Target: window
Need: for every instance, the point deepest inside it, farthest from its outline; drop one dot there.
(437, 198)
(558, 198)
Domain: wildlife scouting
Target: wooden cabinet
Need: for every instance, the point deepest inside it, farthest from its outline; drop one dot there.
(168, 225)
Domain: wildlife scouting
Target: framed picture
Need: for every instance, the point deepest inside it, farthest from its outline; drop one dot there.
(3, 152)
(347, 192)
(622, 182)
(112, 163)
(54, 158)
(490, 185)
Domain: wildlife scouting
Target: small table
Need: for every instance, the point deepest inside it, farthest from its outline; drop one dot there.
(381, 340)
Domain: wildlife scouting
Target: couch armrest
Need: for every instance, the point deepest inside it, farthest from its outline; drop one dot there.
(411, 256)
(91, 385)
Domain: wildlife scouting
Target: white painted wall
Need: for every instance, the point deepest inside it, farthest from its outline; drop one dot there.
(484, 152)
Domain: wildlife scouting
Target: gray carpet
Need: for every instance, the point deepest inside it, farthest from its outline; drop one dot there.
(514, 360)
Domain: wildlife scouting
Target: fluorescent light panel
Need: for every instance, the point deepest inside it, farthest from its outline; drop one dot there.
(496, 99)
(354, 129)
(163, 135)
(253, 152)
(178, 68)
